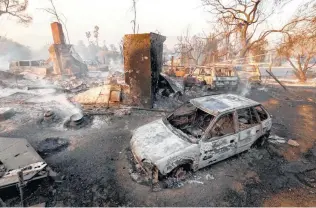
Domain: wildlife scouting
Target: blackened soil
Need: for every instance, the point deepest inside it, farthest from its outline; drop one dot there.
(96, 166)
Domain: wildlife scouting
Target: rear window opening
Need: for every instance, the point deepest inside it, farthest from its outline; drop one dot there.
(224, 72)
(190, 120)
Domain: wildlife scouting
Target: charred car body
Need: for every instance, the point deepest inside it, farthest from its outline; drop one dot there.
(37, 66)
(199, 133)
(215, 76)
(251, 74)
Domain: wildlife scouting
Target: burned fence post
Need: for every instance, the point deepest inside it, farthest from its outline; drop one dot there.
(143, 59)
(21, 185)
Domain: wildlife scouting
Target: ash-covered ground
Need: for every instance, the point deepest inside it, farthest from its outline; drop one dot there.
(95, 162)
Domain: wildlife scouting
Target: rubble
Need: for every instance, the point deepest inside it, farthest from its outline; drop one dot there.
(293, 143)
(73, 85)
(174, 85)
(49, 119)
(104, 96)
(276, 139)
(18, 155)
(136, 177)
(52, 145)
(195, 181)
(122, 112)
(78, 120)
(209, 177)
(49, 115)
(5, 113)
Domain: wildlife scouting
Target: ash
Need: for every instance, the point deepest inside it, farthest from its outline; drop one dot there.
(99, 170)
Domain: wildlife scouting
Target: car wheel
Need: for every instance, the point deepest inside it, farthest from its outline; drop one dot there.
(179, 173)
(261, 141)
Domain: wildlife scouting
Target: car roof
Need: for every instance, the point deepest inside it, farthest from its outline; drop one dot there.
(217, 104)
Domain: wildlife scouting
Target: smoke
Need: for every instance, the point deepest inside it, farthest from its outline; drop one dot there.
(244, 89)
(45, 94)
(5, 92)
(4, 63)
(61, 101)
(12, 51)
(116, 66)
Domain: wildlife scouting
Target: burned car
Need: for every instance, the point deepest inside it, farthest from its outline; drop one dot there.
(201, 132)
(216, 77)
(251, 74)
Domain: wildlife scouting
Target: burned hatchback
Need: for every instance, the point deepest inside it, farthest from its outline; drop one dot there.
(199, 133)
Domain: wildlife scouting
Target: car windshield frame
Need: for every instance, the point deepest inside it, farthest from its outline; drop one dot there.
(191, 138)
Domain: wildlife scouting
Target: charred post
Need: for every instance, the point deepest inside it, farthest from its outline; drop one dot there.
(143, 63)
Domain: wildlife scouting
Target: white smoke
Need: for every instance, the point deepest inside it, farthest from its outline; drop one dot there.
(44, 92)
(4, 63)
(245, 89)
(67, 108)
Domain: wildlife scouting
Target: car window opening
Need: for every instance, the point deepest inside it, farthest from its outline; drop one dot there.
(224, 72)
(191, 120)
(246, 118)
(224, 126)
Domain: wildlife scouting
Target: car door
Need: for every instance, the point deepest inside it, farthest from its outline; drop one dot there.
(220, 141)
(265, 119)
(249, 126)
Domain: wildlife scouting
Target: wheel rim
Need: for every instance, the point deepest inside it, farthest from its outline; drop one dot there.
(180, 174)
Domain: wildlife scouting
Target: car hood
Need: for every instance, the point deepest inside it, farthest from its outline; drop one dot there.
(155, 141)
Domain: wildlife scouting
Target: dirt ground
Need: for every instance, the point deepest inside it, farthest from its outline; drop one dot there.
(96, 164)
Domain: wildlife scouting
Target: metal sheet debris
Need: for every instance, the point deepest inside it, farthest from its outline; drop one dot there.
(17, 154)
(276, 139)
(175, 83)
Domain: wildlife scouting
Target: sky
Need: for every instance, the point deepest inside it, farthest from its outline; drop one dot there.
(169, 17)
